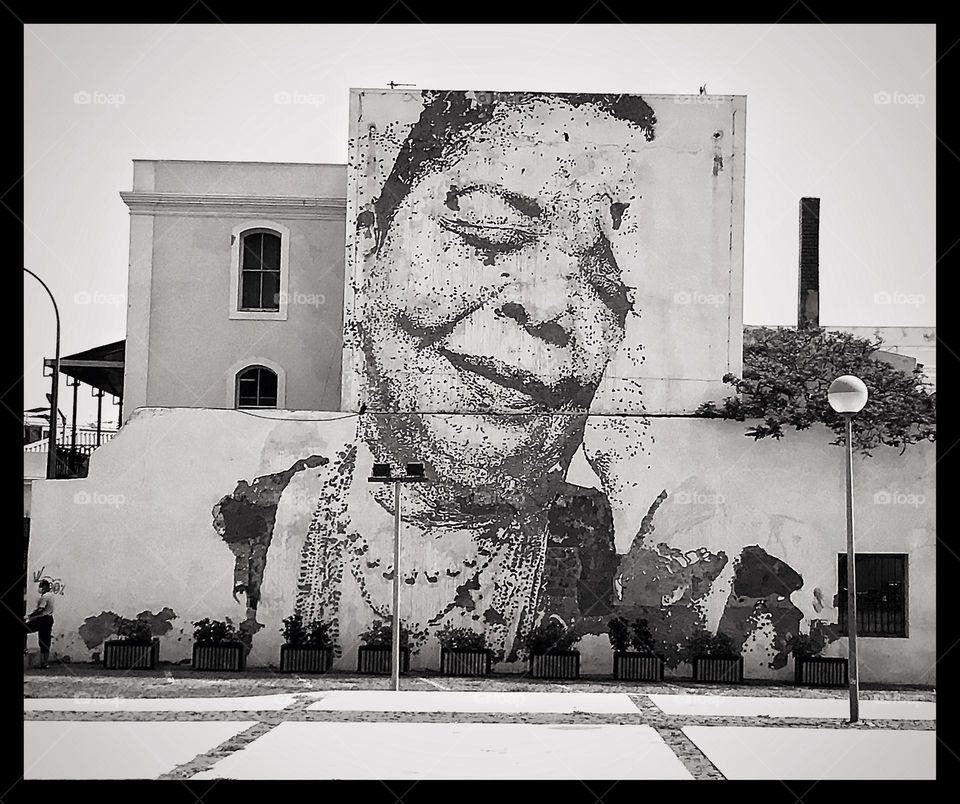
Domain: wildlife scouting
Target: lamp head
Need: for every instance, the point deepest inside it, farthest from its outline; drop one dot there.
(847, 394)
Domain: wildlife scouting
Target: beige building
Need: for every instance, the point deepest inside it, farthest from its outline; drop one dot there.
(235, 286)
(916, 343)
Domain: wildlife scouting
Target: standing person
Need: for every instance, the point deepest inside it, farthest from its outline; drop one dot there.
(41, 621)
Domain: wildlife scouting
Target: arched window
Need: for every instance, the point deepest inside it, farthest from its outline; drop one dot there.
(256, 388)
(260, 271)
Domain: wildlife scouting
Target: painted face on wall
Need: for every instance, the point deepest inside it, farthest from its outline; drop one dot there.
(497, 289)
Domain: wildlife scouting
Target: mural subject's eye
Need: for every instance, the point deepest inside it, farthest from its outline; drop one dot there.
(491, 219)
(491, 237)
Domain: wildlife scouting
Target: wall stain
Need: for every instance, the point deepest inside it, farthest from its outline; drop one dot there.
(762, 585)
(97, 628)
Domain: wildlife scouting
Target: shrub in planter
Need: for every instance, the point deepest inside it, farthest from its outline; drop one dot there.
(463, 652)
(550, 645)
(714, 657)
(375, 654)
(813, 670)
(306, 648)
(640, 664)
(135, 647)
(217, 646)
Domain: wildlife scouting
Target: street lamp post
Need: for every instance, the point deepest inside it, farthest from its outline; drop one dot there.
(847, 395)
(54, 410)
(382, 474)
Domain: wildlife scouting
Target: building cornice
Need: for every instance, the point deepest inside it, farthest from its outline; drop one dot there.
(234, 206)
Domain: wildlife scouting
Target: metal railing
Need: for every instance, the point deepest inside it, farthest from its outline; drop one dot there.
(85, 438)
(73, 461)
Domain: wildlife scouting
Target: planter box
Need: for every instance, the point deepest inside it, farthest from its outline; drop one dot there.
(561, 664)
(465, 662)
(630, 666)
(718, 670)
(223, 656)
(377, 660)
(118, 654)
(821, 671)
(305, 659)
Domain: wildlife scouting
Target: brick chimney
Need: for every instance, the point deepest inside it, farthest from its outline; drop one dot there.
(808, 303)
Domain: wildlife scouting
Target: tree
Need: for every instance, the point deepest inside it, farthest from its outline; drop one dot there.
(786, 374)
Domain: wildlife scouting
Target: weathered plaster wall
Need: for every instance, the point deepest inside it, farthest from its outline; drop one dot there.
(184, 509)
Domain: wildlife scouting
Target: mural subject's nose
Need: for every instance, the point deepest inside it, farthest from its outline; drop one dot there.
(550, 331)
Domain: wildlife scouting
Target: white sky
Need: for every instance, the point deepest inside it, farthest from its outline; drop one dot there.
(814, 128)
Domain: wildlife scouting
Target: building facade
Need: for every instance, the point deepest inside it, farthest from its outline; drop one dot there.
(201, 235)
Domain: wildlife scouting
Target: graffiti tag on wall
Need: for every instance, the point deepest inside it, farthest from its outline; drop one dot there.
(57, 586)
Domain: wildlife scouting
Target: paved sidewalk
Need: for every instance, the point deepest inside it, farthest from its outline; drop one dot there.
(176, 723)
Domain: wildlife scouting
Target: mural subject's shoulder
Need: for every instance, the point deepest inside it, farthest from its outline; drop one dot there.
(665, 585)
(245, 520)
(249, 510)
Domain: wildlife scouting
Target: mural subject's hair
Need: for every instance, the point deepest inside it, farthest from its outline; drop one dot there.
(450, 118)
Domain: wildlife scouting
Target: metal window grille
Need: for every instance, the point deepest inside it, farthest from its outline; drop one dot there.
(881, 594)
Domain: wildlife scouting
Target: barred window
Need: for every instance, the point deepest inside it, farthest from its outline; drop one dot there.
(881, 594)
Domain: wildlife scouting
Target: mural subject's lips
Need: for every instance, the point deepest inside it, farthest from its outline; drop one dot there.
(516, 379)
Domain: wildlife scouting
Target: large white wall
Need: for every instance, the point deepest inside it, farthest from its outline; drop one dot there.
(137, 533)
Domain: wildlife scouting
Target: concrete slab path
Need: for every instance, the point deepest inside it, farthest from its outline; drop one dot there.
(247, 703)
(451, 701)
(814, 708)
(305, 750)
(56, 749)
(763, 752)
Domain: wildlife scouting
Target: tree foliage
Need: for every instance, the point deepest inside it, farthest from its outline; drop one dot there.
(786, 374)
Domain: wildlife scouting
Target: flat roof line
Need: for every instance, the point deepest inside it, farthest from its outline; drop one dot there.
(242, 162)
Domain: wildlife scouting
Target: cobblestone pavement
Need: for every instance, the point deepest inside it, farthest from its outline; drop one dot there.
(91, 681)
(179, 681)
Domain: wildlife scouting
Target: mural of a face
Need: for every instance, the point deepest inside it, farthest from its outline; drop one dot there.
(496, 289)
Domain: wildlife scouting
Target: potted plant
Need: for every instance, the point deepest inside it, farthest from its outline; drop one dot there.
(550, 645)
(463, 652)
(813, 670)
(306, 648)
(135, 647)
(640, 664)
(217, 646)
(375, 653)
(714, 658)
